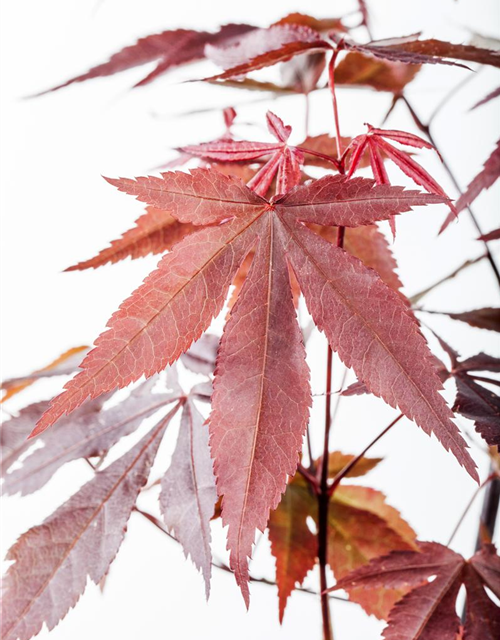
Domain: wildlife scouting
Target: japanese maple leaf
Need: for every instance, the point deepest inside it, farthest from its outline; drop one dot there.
(264, 48)
(484, 180)
(88, 432)
(428, 611)
(485, 318)
(261, 398)
(188, 492)
(155, 231)
(357, 69)
(168, 50)
(361, 526)
(374, 142)
(491, 235)
(284, 162)
(474, 400)
(53, 561)
(411, 50)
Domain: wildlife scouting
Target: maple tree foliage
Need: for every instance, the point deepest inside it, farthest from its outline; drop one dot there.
(428, 610)
(250, 228)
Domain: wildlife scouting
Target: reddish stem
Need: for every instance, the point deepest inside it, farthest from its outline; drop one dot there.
(323, 489)
(331, 83)
(323, 502)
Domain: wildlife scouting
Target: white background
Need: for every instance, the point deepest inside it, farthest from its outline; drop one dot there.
(57, 210)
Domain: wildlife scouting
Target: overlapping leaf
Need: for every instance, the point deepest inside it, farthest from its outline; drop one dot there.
(486, 318)
(261, 396)
(411, 50)
(202, 355)
(361, 526)
(357, 69)
(435, 574)
(484, 180)
(284, 162)
(88, 432)
(263, 48)
(293, 544)
(492, 235)
(52, 562)
(374, 143)
(156, 231)
(188, 493)
(168, 49)
(474, 400)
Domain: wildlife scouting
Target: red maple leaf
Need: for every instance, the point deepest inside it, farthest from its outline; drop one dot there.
(261, 398)
(375, 143)
(436, 574)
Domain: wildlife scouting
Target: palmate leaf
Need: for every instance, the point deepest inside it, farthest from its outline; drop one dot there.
(263, 48)
(81, 539)
(168, 49)
(361, 526)
(492, 235)
(484, 180)
(261, 394)
(86, 433)
(486, 318)
(374, 143)
(357, 69)
(411, 50)
(428, 611)
(188, 493)
(284, 163)
(156, 231)
(474, 400)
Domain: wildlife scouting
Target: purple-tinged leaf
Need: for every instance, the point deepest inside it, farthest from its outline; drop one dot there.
(411, 50)
(492, 235)
(261, 399)
(387, 346)
(168, 49)
(476, 402)
(487, 318)
(428, 611)
(484, 180)
(156, 231)
(188, 493)
(200, 358)
(53, 561)
(88, 432)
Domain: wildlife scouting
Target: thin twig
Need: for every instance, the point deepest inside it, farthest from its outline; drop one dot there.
(465, 265)
(350, 465)
(331, 83)
(469, 505)
(425, 128)
(458, 87)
